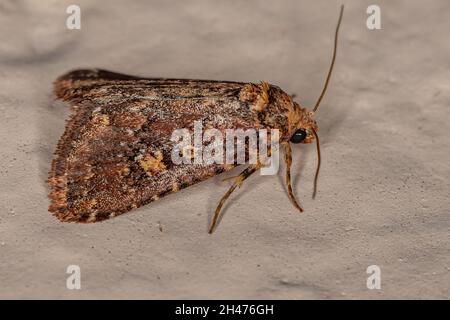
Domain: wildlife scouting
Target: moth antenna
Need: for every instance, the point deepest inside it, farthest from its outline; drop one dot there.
(332, 60)
(316, 177)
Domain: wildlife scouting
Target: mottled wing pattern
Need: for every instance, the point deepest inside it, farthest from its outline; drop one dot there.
(115, 153)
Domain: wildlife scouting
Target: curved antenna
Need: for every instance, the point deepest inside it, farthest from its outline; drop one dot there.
(316, 177)
(332, 60)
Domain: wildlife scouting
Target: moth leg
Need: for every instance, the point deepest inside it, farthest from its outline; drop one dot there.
(288, 160)
(229, 178)
(237, 183)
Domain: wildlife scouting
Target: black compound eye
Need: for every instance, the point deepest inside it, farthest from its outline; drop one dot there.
(299, 136)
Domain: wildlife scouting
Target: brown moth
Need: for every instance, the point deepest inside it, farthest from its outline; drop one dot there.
(115, 153)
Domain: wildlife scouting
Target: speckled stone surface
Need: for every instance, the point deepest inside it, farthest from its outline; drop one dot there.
(384, 187)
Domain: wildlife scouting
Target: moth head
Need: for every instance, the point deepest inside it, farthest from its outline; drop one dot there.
(303, 126)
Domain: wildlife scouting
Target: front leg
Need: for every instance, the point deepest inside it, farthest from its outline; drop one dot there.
(237, 183)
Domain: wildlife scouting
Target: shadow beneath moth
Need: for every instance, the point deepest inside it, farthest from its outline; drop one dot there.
(115, 153)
